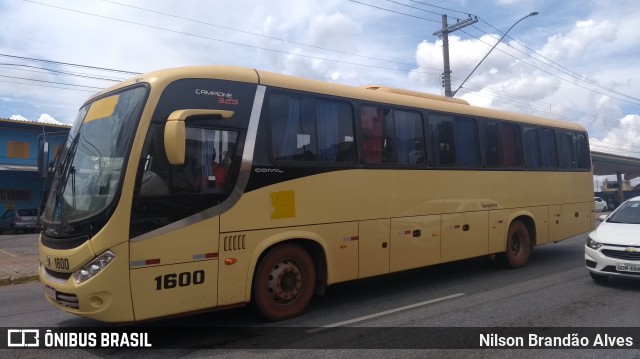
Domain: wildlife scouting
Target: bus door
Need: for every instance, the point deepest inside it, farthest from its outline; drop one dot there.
(175, 223)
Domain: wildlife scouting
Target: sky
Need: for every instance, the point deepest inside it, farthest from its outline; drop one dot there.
(574, 61)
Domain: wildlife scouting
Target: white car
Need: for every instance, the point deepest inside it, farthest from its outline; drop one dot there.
(600, 204)
(613, 249)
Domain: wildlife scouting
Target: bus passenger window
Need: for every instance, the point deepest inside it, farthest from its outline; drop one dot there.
(512, 145)
(334, 125)
(467, 142)
(371, 125)
(503, 144)
(443, 139)
(311, 130)
(549, 152)
(574, 151)
(539, 148)
(379, 138)
(409, 137)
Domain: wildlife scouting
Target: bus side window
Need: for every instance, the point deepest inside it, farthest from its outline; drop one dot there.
(574, 150)
(539, 148)
(443, 140)
(409, 137)
(503, 144)
(549, 151)
(467, 142)
(378, 135)
(371, 126)
(311, 130)
(532, 147)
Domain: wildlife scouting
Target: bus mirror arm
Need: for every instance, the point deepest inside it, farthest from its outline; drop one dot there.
(175, 134)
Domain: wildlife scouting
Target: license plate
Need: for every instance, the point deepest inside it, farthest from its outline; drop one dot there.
(50, 292)
(628, 267)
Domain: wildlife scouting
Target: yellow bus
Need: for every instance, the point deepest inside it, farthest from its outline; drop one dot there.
(196, 188)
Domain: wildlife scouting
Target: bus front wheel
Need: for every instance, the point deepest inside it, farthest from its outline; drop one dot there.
(518, 245)
(284, 282)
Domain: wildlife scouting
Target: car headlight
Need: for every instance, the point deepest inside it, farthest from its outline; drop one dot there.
(593, 244)
(94, 267)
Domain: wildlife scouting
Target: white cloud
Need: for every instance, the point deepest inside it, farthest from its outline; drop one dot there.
(45, 118)
(623, 139)
(335, 31)
(18, 118)
(573, 45)
(501, 70)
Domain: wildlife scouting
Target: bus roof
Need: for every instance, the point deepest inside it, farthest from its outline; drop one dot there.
(379, 94)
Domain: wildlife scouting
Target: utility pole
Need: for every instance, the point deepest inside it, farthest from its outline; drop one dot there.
(444, 33)
(485, 56)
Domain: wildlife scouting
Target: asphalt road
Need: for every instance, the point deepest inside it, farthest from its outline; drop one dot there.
(553, 290)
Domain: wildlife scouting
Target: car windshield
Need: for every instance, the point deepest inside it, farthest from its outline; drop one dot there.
(629, 212)
(90, 170)
(27, 212)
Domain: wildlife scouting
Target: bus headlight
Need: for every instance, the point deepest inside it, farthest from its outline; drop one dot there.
(593, 244)
(94, 267)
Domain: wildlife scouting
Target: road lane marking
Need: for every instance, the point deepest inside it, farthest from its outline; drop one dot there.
(391, 311)
(7, 253)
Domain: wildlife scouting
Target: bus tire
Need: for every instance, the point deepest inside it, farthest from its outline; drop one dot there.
(284, 282)
(519, 245)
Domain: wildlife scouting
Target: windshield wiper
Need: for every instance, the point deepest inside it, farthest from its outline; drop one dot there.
(65, 170)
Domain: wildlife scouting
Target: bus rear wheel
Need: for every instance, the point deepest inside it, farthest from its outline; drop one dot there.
(519, 246)
(284, 282)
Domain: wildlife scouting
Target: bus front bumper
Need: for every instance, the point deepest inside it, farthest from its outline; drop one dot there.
(105, 297)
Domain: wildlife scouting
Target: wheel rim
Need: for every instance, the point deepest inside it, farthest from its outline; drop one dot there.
(285, 282)
(516, 243)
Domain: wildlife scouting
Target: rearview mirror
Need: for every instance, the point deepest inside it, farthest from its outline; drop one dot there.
(175, 133)
(175, 141)
(602, 218)
(43, 159)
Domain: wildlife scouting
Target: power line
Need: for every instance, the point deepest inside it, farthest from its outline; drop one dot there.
(553, 64)
(368, 57)
(263, 36)
(222, 41)
(544, 107)
(440, 7)
(52, 82)
(260, 35)
(413, 7)
(393, 11)
(53, 87)
(566, 71)
(69, 64)
(47, 70)
(558, 76)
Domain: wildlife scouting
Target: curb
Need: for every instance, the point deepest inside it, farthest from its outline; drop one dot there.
(19, 280)
(28, 279)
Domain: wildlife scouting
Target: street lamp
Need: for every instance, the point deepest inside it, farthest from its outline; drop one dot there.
(494, 46)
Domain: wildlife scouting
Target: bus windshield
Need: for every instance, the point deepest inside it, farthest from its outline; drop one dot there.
(92, 162)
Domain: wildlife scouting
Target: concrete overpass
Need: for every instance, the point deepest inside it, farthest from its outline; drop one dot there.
(605, 164)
